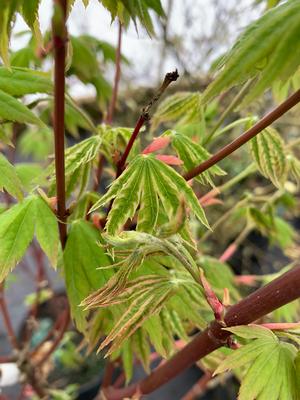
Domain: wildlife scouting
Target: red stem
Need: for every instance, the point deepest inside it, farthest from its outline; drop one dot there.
(112, 105)
(169, 78)
(7, 321)
(132, 139)
(108, 375)
(245, 137)
(277, 293)
(114, 97)
(59, 40)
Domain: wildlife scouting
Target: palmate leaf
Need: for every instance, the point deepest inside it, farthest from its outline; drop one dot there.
(17, 227)
(138, 247)
(184, 107)
(268, 49)
(181, 312)
(9, 179)
(89, 71)
(29, 11)
(272, 371)
(8, 9)
(12, 109)
(81, 51)
(16, 232)
(135, 9)
(193, 154)
(20, 81)
(78, 160)
(269, 154)
(82, 256)
(130, 191)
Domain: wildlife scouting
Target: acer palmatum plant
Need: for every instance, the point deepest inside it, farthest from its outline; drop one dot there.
(138, 262)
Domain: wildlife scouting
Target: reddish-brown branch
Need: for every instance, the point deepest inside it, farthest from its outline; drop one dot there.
(132, 139)
(113, 101)
(7, 321)
(245, 137)
(169, 78)
(112, 105)
(108, 374)
(277, 293)
(59, 41)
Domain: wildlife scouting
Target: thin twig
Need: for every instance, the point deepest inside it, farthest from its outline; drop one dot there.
(245, 137)
(113, 101)
(112, 105)
(7, 321)
(169, 78)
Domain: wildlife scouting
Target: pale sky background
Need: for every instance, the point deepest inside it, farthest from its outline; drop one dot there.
(95, 20)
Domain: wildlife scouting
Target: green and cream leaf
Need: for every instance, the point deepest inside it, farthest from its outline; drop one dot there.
(193, 154)
(268, 152)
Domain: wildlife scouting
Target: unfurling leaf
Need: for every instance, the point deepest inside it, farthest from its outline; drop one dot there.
(46, 230)
(169, 160)
(157, 144)
(139, 246)
(144, 182)
(146, 299)
(268, 151)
